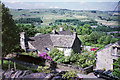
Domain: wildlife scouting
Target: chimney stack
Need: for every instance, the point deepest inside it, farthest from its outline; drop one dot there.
(75, 33)
(61, 28)
(53, 31)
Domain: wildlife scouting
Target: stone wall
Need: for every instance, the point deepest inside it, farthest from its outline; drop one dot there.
(23, 41)
(105, 58)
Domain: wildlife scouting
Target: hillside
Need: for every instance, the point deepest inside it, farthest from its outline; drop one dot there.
(48, 16)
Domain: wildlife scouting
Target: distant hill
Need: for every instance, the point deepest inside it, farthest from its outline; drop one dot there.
(102, 6)
(49, 16)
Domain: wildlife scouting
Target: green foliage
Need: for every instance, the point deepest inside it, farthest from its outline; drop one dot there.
(97, 38)
(73, 58)
(85, 60)
(75, 22)
(107, 39)
(29, 29)
(85, 29)
(10, 33)
(116, 70)
(105, 29)
(101, 39)
(66, 59)
(29, 20)
(33, 54)
(113, 40)
(7, 63)
(55, 52)
(69, 75)
(81, 60)
(103, 69)
(43, 69)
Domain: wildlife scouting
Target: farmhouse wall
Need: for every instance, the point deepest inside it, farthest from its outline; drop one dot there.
(105, 58)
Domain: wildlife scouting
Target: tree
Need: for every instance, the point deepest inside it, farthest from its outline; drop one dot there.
(107, 39)
(29, 29)
(10, 33)
(101, 39)
(116, 70)
(113, 40)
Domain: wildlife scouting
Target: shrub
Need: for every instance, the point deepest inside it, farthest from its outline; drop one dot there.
(44, 56)
(69, 75)
(103, 69)
(33, 54)
(43, 69)
(61, 60)
(87, 44)
(84, 65)
(116, 70)
(113, 40)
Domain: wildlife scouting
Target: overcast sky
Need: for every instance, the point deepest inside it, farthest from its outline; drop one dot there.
(104, 5)
(60, 0)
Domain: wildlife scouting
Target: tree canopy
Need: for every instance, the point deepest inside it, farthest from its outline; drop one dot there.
(10, 33)
(116, 70)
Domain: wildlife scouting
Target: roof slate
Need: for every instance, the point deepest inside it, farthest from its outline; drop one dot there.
(66, 32)
(63, 39)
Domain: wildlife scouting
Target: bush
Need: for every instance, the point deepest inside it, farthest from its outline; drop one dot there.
(69, 75)
(113, 40)
(44, 56)
(61, 60)
(84, 65)
(73, 58)
(81, 60)
(33, 54)
(116, 70)
(66, 59)
(43, 69)
(87, 44)
(18, 66)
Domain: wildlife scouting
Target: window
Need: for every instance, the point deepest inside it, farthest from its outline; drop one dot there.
(116, 51)
(22, 39)
(47, 49)
(113, 51)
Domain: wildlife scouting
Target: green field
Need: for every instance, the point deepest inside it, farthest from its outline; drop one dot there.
(50, 15)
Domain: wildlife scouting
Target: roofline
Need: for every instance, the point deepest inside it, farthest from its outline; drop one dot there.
(62, 47)
(107, 46)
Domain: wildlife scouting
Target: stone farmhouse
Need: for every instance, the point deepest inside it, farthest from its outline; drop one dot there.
(107, 55)
(62, 40)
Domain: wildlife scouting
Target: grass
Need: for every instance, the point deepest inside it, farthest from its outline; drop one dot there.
(18, 66)
(30, 54)
(7, 63)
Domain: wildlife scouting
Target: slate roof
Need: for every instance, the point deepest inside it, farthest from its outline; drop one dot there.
(117, 44)
(63, 39)
(41, 42)
(66, 32)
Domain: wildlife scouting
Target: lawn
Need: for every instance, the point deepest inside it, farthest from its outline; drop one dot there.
(7, 63)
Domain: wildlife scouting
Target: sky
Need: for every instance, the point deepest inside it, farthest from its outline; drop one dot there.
(104, 5)
(60, 0)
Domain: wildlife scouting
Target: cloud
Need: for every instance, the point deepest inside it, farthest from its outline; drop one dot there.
(56, 7)
(11, 1)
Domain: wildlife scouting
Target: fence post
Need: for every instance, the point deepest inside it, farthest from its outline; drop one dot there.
(14, 66)
(9, 65)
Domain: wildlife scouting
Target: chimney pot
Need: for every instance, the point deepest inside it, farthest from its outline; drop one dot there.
(61, 28)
